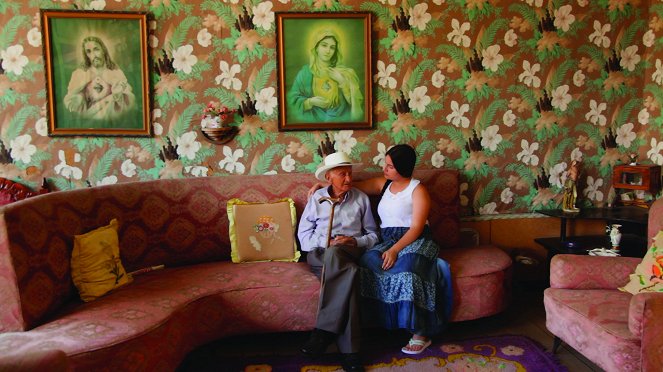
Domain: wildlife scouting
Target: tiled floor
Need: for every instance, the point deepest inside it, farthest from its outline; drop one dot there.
(525, 316)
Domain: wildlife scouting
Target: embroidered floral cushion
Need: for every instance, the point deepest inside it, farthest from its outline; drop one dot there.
(96, 268)
(648, 276)
(262, 231)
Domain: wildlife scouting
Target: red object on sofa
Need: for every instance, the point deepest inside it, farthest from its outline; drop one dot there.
(11, 191)
(201, 295)
(616, 330)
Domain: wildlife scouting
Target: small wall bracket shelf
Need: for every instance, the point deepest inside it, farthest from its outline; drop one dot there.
(219, 136)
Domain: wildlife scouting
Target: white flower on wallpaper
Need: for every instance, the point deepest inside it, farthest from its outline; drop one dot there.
(625, 135)
(657, 76)
(648, 38)
(654, 153)
(457, 36)
(490, 137)
(438, 79)
(576, 154)
(13, 59)
(419, 99)
(536, 3)
(158, 129)
(457, 116)
(561, 97)
(197, 170)
(183, 60)
(595, 115)
(108, 180)
(227, 77)
(266, 100)
(22, 149)
(383, 77)
(187, 145)
(437, 159)
(583, 3)
(419, 16)
(509, 118)
(344, 141)
(511, 38)
(598, 36)
(592, 190)
(288, 163)
(492, 57)
(34, 37)
(379, 158)
(488, 208)
(528, 76)
(643, 116)
(128, 168)
(389, 2)
(96, 5)
(563, 17)
(557, 174)
(154, 41)
(204, 38)
(66, 170)
(263, 16)
(630, 57)
(231, 161)
(506, 196)
(579, 78)
(41, 127)
(527, 155)
(231, 1)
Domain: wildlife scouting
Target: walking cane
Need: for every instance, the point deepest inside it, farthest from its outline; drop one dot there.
(333, 202)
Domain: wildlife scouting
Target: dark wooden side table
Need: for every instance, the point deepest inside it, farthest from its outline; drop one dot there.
(634, 231)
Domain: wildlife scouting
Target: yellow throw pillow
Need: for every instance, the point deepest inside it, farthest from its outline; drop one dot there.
(648, 276)
(262, 231)
(96, 268)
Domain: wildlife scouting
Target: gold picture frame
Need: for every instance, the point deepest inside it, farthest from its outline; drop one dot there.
(96, 66)
(324, 70)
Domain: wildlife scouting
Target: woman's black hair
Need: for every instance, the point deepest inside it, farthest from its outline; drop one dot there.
(404, 157)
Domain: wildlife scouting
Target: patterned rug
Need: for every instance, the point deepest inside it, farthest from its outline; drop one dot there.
(499, 353)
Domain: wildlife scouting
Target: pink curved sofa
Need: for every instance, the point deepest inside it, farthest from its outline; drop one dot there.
(616, 330)
(201, 296)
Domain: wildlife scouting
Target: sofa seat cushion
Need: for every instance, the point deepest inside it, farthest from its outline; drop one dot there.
(595, 323)
(272, 295)
(475, 261)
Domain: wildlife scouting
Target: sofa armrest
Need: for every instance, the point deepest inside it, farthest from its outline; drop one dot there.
(645, 321)
(590, 272)
(36, 360)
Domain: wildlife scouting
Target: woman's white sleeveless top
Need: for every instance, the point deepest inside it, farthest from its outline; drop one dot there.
(395, 210)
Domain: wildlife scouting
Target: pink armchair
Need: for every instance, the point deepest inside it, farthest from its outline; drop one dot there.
(615, 330)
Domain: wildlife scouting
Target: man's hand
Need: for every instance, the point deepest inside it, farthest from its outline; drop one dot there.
(389, 258)
(343, 240)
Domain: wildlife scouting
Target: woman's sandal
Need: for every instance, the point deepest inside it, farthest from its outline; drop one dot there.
(423, 343)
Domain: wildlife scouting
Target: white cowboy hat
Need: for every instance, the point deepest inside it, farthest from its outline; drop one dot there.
(331, 161)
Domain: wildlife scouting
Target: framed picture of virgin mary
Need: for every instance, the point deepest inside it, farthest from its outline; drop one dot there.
(324, 70)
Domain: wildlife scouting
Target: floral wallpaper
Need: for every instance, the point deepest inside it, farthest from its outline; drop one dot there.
(507, 92)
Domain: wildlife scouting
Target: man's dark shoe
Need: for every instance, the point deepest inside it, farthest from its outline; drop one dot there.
(351, 362)
(318, 343)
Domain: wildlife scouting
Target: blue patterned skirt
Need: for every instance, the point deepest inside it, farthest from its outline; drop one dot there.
(415, 294)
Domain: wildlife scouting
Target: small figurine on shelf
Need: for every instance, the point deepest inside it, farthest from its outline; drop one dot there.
(570, 190)
(632, 159)
(615, 236)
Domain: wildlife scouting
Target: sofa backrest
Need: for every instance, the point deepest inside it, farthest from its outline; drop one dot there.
(173, 222)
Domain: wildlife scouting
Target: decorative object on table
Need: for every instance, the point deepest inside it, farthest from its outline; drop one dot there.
(603, 252)
(615, 236)
(633, 159)
(636, 184)
(113, 101)
(497, 353)
(215, 123)
(570, 190)
(325, 78)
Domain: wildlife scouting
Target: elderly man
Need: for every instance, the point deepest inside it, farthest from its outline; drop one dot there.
(335, 260)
